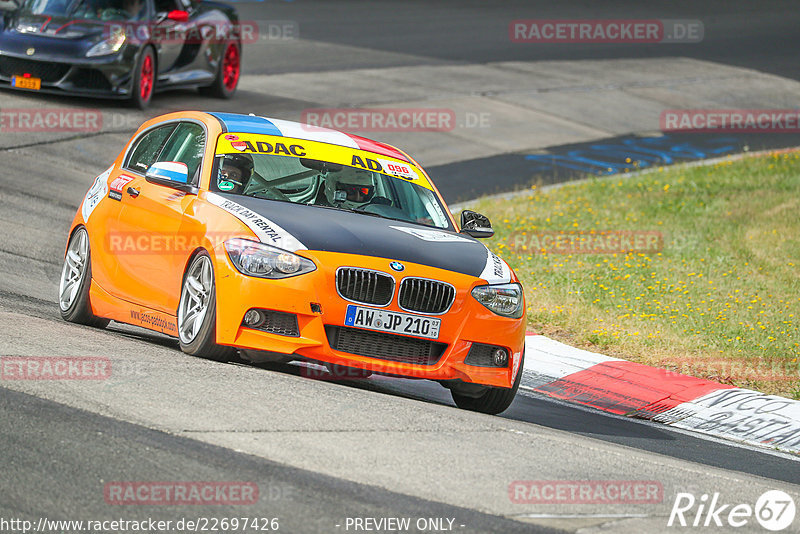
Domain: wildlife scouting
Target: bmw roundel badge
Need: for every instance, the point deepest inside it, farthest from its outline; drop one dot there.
(397, 266)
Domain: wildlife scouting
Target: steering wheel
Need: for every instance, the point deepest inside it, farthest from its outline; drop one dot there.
(385, 210)
(377, 205)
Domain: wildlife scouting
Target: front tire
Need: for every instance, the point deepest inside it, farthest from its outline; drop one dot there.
(197, 312)
(76, 277)
(144, 79)
(494, 400)
(230, 68)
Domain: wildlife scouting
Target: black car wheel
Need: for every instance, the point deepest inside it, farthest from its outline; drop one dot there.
(494, 400)
(144, 79)
(228, 72)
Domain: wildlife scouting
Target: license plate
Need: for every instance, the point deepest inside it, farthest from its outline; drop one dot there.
(26, 83)
(393, 322)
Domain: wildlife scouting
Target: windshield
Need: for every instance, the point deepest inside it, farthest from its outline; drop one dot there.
(396, 191)
(104, 10)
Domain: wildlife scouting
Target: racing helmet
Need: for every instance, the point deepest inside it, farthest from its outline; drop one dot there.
(350, 188)
(242, 162)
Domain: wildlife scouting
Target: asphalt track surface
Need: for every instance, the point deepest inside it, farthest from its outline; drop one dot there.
(323, 451)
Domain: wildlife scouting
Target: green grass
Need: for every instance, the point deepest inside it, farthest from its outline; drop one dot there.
(722, 298)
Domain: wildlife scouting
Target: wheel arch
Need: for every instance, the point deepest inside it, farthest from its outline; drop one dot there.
(190, 258)
(75, 227)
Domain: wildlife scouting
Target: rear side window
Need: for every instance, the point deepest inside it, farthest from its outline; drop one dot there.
(147, 149)
(187, 145)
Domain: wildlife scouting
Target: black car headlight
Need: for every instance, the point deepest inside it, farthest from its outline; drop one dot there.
(264, 261)
(110, 45)
(503, 299)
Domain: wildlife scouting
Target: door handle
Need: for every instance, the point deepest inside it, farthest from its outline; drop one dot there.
(132, 191)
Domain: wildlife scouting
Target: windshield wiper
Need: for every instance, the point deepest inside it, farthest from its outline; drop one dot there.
(356, 210)
(258, 195)
(351, 210)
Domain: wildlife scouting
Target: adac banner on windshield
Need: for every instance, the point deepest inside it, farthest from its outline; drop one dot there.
(254, 144)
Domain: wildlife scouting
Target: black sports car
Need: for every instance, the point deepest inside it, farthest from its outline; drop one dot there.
(125, 49)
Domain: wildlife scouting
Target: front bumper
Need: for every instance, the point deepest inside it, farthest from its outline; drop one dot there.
(106, 76)
(466, 322)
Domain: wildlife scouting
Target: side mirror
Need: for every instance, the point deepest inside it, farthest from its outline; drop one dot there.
(178, 15)
(172, 174)
(476, 225)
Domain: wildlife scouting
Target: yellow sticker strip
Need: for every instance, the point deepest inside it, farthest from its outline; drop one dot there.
(244, 143)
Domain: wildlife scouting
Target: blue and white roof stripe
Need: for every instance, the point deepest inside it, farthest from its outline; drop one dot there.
(262, 125)
(233, 122)
(314, 133)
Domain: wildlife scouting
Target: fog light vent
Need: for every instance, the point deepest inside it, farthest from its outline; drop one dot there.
(481, 355)
(274, 322)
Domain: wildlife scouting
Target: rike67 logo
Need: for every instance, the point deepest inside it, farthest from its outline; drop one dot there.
(774, 510)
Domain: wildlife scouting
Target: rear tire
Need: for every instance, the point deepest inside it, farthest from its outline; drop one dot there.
(144, 79)
(495, 400)
(76, 278)
(197, 312)
(228, 73)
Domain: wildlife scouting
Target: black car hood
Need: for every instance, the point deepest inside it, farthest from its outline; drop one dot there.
(333, 230)
(26, 24)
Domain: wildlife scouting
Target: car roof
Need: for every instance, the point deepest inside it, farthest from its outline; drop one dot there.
(235, 122)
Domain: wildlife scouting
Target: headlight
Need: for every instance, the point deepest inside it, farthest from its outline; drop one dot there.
(504, 299)
(264, 261)
(109, 46)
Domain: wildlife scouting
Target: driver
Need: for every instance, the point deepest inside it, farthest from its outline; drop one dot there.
(350, 191)
(134, 8)
(234, 173)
